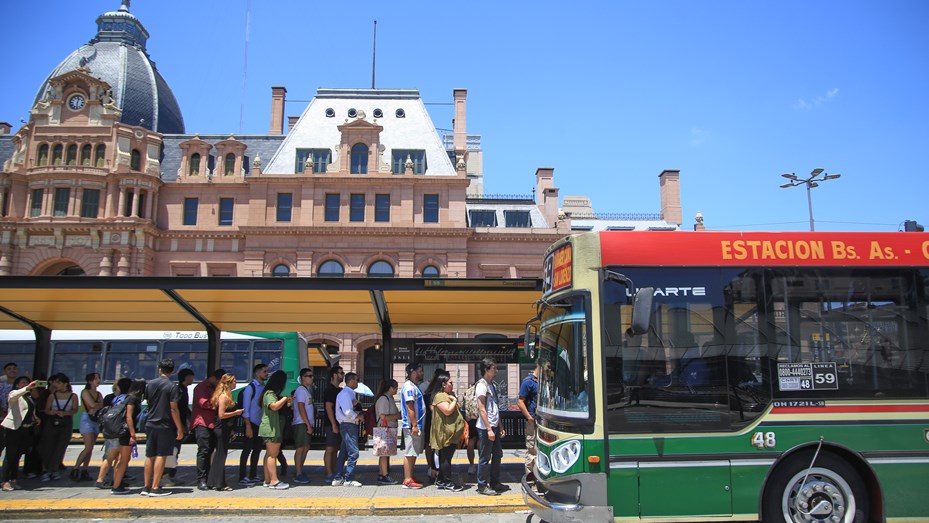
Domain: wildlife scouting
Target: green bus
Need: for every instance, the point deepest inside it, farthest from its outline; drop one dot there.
(704, 376)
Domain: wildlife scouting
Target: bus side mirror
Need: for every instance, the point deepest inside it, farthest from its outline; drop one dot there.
(641, 311)
(532, 333)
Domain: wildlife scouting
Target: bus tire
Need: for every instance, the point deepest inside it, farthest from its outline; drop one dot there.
(833, 489)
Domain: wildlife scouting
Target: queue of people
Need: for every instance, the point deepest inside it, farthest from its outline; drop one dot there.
(432, 418)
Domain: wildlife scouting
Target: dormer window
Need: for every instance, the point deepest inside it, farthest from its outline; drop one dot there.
(319, 159)
(229, 167)
(194, 169)
(330, 113)
(359, 159)
(400, 157)
(517, 219)
(400, 113)
(135, 160)
(378, 113)
(482, 218)
(352, 113)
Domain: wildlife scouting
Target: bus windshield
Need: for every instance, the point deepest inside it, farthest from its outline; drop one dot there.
(563, 360)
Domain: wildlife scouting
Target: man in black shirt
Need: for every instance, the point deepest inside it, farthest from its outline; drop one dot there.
(163, 427)
(333, 438)
(184, 379)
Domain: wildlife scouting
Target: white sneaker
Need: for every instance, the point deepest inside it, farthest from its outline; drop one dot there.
(280, 485)
(46, 477)
(337, 482)
(351, 483)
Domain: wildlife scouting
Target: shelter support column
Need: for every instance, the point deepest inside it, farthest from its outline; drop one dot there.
(214, 349)
(43, 351)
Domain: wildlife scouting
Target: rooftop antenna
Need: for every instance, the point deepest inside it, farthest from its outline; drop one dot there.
(248, 17)
(374, 55)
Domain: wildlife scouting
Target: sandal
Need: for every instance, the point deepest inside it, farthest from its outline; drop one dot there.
(7, 487)
(226, 489)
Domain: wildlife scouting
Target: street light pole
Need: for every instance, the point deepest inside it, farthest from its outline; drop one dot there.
(816, 176)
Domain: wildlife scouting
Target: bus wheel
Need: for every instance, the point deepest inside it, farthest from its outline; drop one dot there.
(833, 492)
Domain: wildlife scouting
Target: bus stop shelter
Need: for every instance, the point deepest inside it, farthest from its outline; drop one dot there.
(234, 304)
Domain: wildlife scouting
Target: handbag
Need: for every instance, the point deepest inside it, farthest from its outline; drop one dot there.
(465, 436)
(385, 441)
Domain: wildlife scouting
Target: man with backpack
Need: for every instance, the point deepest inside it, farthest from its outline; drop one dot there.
(251, 414)
(303, 423)
(489, 431)
(202, 423)
(162, 427)
(184, 379)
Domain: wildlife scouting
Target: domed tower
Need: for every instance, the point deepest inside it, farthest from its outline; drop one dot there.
(117, 56)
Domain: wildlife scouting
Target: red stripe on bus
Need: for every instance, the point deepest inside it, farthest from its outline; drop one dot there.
(850, 408)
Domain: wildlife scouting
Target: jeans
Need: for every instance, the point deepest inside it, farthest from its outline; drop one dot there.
(491, 452)
(445, 464)
(349, 432)
(206, 442)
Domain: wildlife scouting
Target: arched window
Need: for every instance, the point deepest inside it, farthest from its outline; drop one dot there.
(381, 269)
(359, 159)
(100, 156)
(280, 270)
(85, 155)
(229, 168)
(194, 164)
(43, 154)
(72, 155)
(431, 271)
(331, 269)
(57, 153)
(135, 160)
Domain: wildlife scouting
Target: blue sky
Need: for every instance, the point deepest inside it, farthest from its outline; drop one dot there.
(608, 93)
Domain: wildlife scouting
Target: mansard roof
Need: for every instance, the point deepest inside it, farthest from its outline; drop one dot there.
(401, 112)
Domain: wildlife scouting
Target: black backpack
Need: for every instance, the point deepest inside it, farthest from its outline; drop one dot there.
(113, 420)
(239, 400)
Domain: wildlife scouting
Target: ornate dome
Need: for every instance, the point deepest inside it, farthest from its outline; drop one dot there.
(117, 56)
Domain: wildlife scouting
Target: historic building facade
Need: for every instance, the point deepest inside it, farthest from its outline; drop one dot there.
(103, 181)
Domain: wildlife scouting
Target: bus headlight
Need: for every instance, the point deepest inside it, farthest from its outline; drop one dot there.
(565, 455)
(542, 463)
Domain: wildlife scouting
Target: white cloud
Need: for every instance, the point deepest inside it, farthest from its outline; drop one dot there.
(819, 100)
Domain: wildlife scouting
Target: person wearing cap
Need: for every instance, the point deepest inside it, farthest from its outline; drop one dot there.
(203, 420)
(414, 413)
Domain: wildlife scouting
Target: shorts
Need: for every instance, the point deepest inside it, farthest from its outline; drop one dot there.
(87, 426)
(113, 443)
(413, 444)
(160, 441)
(301, 438)
(333, 439)
(472, 429)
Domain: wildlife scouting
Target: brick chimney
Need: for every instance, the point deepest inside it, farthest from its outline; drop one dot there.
(546, 194)
(459, 126)
(5, 128)
(291, 122)
(670, 181)
(278, 97)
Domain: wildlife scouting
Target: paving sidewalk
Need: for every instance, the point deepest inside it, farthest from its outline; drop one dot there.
(65, 498)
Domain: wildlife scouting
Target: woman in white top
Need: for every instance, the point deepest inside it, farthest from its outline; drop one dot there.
(385, 408)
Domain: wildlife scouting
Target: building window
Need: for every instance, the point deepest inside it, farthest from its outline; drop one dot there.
(90, 203)
(431, 208)
(130, 196)
(318, 158)
(517, 219)
(43, 154)
(359, 159)
(332, 207)
(400, 113)
(430, 271)
(141, 206)
(400, 156)
(382, 207)
(381, 269)
(356, 211)
(100, 156)
(57, 152)
(62, 195)
(225, 210)
(229, 167)
(482, 218)
(331, 269)
(190, 210)
(194, 169)
(284, 206)
(135, 160)
(72, 155)
(35, 207)
(85, 155)
(280, 270)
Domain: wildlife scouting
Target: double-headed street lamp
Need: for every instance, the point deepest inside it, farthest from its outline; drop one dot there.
(818, 175)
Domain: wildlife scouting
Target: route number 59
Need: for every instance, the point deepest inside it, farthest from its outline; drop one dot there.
(764, 440)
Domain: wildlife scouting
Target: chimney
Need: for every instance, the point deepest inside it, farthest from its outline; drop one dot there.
(459, 127)
(5, 128)
(547, 194)
(278, 96)
(291, 122)
(670, 181)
